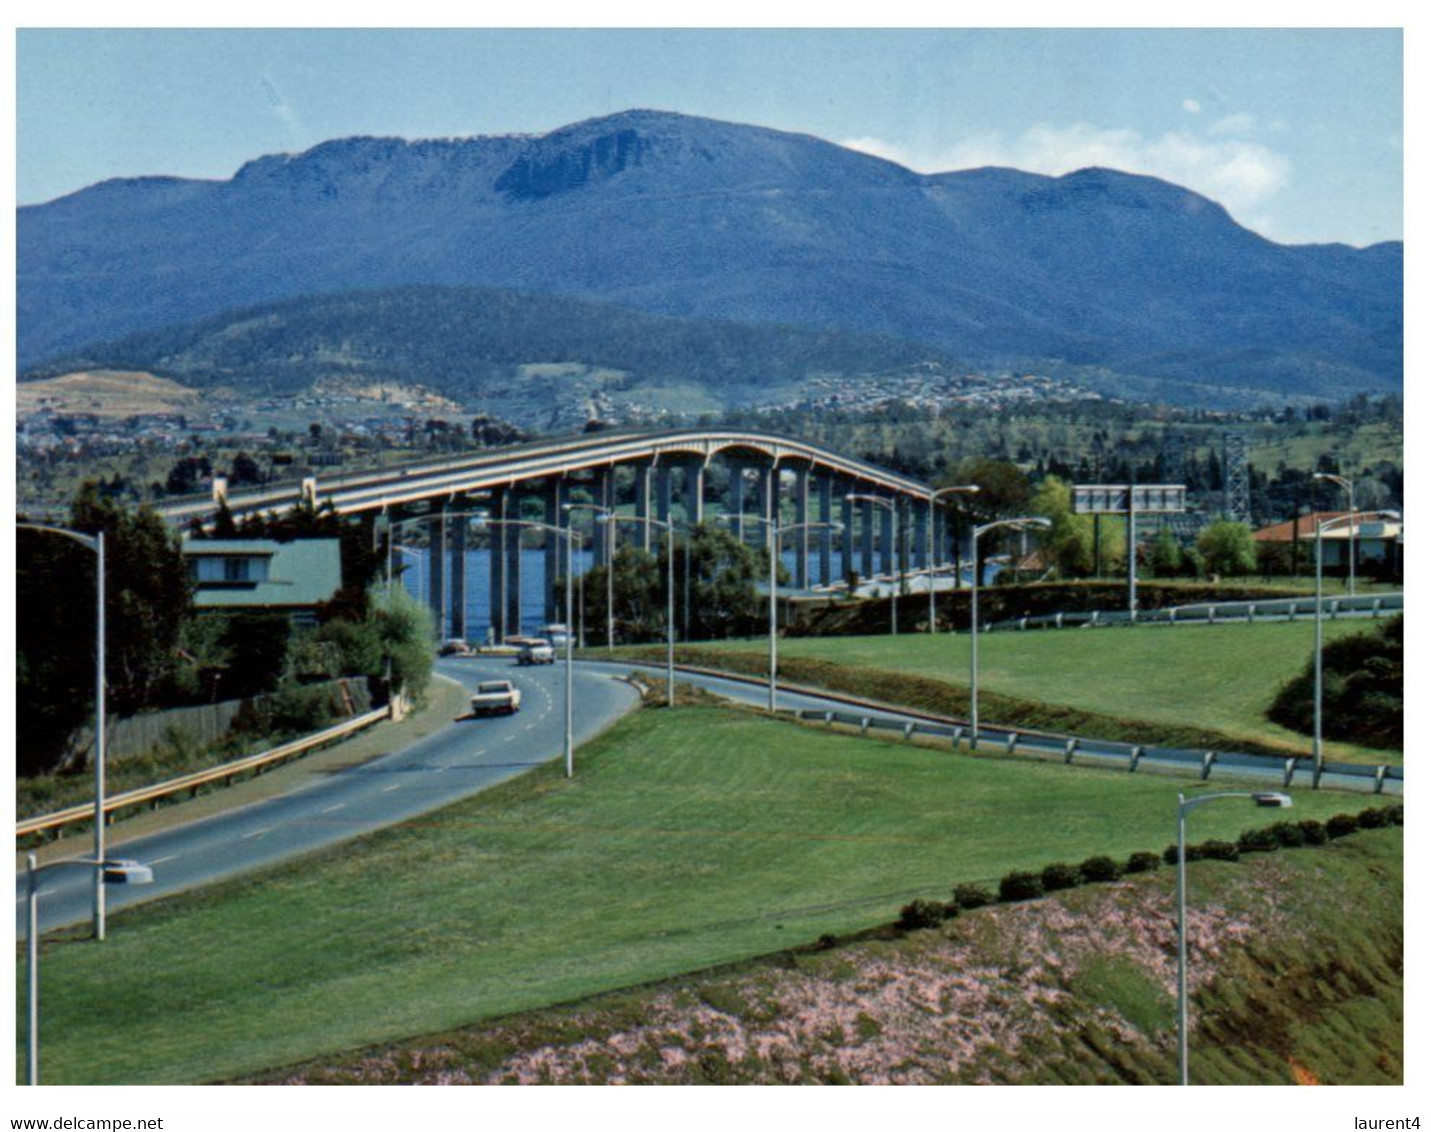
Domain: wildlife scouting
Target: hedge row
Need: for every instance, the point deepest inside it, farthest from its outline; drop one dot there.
(1023, 885)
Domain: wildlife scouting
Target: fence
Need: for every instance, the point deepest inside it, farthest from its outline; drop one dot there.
(1222, 612)
(193, 783)
(1130, 756)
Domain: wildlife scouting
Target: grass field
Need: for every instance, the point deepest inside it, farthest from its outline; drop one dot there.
(1219, 677)
(690, 837)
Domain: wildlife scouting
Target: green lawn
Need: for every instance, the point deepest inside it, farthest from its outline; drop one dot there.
(690, 837)
(1219, 677)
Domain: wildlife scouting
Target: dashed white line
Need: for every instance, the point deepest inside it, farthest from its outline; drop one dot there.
(161, 860)
(394, 786)
(257, 833)
(330, 809)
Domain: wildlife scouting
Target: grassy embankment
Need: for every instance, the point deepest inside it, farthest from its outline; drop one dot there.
(1195, 686)
(1295, 971)
(689, 838)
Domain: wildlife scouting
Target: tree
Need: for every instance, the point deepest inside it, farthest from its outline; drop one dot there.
(147, 599)
(404, 632)
(245, 470)
(1167, 555)
(1069, 541)
(1227, 548)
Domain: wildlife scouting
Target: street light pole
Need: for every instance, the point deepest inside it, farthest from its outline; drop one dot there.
(1346, 485)
(107, 872)
(610, 570)
(1259, 798)
(611, 518)
(95, 543)
(960, 489)
(1317, 683)
(1016, 524)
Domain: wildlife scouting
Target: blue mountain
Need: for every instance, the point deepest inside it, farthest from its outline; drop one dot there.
(696, 218)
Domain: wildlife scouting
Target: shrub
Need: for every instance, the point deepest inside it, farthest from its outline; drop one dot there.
(1258, 841)
(1020, 886)
(1058, 875)
(1145, 862)
(1215, 850)
(972, 895)
(1289, 834)
(1170, 854)
(951, 910)
(826, 942)
(1313, 831)
(920, 914)
(1395, 813)
(1374, 818)
(1100, 869)
(1339, 825)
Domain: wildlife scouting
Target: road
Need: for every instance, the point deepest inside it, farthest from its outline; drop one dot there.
(472, 755)
(463, 759)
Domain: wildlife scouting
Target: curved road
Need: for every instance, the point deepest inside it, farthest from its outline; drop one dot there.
(457, 762)
(463, 759)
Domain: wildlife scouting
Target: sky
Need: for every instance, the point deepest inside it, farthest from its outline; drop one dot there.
(1297, 132)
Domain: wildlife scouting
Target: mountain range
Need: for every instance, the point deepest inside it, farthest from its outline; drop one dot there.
(699, 219)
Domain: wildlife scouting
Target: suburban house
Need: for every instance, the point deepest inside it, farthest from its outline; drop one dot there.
(1377, 534)
(264, 576)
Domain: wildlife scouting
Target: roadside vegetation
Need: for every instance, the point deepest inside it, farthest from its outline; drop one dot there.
(1362, 689)
(689, 838)
(1295, 969)
(1197, 686)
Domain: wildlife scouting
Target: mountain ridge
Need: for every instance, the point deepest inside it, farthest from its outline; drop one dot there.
(703, 219)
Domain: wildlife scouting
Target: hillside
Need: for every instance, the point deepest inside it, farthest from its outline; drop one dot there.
(495, 345)
(696, 218)
(1295, 975)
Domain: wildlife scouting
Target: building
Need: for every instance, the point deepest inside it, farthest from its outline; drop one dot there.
(1378, 539)
(264, 576)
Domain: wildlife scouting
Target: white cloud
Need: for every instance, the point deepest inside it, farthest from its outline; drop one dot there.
(1243, 175)
(1192, 106)
(1242, 123)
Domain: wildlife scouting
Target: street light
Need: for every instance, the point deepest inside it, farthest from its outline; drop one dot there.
(106, 872)
(610, 570)
(482, 520)
(773, 535)
(1020, 524)
(1317, 655)
(888, 505)
(1258, 798)
(95, 543)
(960, 489)
(1346, 485)
(611, 518)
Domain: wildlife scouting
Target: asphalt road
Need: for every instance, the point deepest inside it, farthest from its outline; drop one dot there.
(462, 759)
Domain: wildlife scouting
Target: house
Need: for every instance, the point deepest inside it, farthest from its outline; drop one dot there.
(264, 576)
(1377, 534)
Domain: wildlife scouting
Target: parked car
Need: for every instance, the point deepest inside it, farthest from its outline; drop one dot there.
(455, 647)
(496, 697)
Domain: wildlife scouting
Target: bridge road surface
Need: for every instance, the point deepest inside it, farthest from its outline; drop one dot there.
(460, 760)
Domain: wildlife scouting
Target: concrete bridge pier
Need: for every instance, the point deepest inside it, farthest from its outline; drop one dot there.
(847, 536)
(555, 548)
(824, 493)
(436, 551)
(921, 535)
(512, 556)
(603, 494)
(663, 493)
(643, 504)
(695, 492)
(887, 553)
(457, 574)
(868, 569)
(801, 499)
(497, 566)
(737, 499)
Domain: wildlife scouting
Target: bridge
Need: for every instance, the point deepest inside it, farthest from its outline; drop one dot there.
(654, 474)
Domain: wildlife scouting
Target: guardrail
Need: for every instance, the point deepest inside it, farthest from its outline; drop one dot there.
(1218, 612)
(1104, 751)
(225, 773)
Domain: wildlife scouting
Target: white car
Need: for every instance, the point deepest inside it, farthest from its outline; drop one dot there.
(536, 652)
(496, 697)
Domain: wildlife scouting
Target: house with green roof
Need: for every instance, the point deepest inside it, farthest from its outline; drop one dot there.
(264, 576)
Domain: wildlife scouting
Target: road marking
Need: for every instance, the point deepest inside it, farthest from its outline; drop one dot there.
(257, 833)
(394, 786)
(509, 738)
(438, 769)
(330, 809)
(161, 860)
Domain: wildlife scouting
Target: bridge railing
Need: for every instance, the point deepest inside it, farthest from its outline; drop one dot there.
(193, 783)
